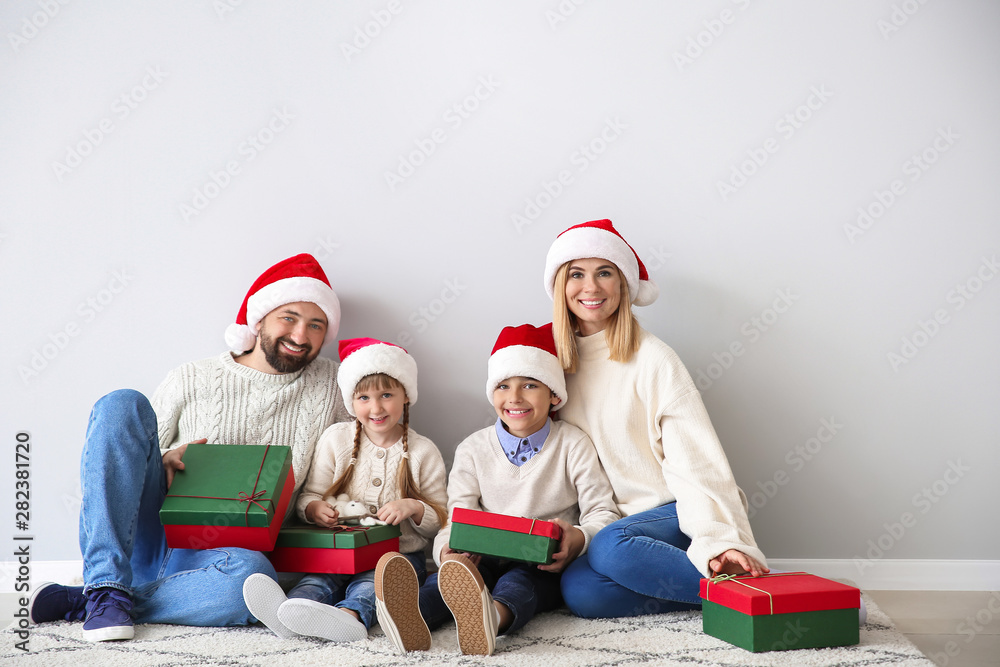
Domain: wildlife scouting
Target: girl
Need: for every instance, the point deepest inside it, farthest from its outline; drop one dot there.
(685, 517)
(398, 475)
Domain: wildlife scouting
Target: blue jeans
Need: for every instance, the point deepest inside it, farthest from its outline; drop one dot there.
(122, 539)
(351, 591)
(634, 566)
(521, 587)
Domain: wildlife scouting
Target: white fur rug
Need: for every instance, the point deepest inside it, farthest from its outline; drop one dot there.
(555, 639)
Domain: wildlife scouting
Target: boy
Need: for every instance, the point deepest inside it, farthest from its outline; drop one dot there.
(524, 465)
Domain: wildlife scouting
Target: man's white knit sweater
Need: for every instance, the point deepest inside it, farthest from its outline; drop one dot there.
(657, 443)
(231, 404)
(562, 481)
(374, 482)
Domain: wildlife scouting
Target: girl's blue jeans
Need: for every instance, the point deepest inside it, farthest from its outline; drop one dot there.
(637, 565)
(351, 591)
(122, 539)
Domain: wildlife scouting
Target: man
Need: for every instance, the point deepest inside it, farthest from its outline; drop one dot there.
(270, 388)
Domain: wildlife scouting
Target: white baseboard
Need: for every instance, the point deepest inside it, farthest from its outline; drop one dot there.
(68, 572)
(884, 574)
(901, 574)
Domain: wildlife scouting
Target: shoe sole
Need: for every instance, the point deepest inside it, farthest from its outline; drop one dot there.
(315, 619)
(397, 600)
(112, 633)
(464, 591)
(262, 596)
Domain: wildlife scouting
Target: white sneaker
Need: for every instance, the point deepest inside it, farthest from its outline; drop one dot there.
(397, 604)
(263, 596)
(471, 604)
(315, 619)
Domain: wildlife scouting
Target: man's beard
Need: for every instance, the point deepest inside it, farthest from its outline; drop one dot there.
(279, 360)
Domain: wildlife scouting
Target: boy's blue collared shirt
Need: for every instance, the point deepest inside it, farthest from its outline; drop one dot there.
(520, 450)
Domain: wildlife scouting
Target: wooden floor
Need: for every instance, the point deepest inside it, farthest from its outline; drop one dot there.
(957, 629)
(954, 629)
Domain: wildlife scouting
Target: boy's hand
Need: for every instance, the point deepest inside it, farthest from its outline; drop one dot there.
(322, 513)
(172, 459)
(475, 558)
(570, 546)
(395, 512)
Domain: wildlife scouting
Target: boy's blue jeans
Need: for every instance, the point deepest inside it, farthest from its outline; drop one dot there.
(351, 591)
(521, 587)
(637, 565)
(122, 539)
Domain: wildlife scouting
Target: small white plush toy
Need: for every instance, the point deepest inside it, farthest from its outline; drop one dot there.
(352, 511)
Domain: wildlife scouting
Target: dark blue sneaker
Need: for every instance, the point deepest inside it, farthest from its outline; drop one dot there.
(53, 602)
(108, 615)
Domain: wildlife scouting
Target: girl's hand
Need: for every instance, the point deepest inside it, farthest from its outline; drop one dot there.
(570, 546)
(395, 512)
(736, 562)
(322, 513)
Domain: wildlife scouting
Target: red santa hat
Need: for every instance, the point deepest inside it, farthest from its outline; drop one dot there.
(599, 238)
(360, 357)
(527, 351)
(295, 279)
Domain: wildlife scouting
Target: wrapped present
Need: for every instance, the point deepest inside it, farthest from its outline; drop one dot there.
(228, 496)
(503, 536)
(780, 611)
(340, 550)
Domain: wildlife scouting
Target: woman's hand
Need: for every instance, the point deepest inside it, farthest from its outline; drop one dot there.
(322, 513)
(570, 546)
(736, 562)
(475, 558)
(397, 511)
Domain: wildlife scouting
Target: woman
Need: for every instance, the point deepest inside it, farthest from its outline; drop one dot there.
(685, 517)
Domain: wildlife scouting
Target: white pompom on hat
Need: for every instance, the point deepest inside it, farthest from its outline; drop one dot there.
(298, 278)
(527, 351)
(360, 357)
(599, 238)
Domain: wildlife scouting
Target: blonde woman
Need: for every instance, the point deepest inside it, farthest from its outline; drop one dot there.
(684, 515)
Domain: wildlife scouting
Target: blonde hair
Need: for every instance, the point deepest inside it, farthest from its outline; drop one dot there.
(621, 334)
(407, 485)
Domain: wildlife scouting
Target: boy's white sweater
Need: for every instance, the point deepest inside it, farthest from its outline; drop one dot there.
(657, 444)
(562, 481)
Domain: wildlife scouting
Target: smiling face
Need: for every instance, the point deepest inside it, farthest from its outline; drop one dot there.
(291, 336)
(378, 406)
(523, 405)
(593, 293)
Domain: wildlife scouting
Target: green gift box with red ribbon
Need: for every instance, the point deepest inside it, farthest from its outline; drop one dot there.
(780, 611)
(228, 496)
(504, 536)
(339, 550)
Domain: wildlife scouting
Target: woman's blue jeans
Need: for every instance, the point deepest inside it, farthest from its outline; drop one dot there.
(122, 539)
(634, 566)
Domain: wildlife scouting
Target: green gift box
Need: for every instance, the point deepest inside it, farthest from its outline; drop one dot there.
(503, 536)
(780, 611)
(348, 537)
(343, 550)
(228, 496)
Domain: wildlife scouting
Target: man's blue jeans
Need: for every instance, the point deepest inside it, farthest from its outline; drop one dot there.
(351, 591)
(122, 539)
(634, 566)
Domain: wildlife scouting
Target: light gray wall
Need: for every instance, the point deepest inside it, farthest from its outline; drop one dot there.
(841, 98)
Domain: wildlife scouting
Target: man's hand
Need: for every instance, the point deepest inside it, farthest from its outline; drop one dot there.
(322, 513)
(172, 459)
(570, 546)
(736, 562)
